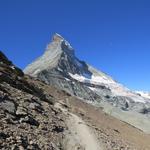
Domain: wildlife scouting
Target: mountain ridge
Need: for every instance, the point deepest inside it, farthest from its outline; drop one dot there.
(83, 72)
(60, 67)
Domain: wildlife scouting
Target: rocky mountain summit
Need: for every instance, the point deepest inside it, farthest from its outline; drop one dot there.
(60, 67)
(55, 65)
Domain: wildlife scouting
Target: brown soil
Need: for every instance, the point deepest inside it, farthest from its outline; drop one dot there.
(113, 133)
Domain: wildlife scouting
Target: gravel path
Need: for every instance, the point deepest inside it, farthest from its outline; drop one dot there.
(80, 136)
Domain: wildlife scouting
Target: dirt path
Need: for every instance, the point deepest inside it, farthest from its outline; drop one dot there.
(80, 136)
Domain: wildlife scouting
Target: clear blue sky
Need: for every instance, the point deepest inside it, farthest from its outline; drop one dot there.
(112, 35)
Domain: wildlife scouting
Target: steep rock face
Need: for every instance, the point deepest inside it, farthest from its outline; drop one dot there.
(54, 67)
(60, 67)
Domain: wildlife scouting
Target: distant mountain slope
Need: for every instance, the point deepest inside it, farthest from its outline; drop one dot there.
(60, 67)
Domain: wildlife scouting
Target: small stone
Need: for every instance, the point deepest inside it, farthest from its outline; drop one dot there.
(14, 147)
(21, 111)
(29, 120)
(31, 142)
(21, 148)
(3, 135)
(35, 106)
(18, 138)
(7, 105)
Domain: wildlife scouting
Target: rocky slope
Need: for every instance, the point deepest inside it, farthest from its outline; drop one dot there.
(60, 67)
(28, 117)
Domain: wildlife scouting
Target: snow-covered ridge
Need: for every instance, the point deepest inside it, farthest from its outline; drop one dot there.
(60, 40)
(144, 94)
(116, 88)
(91, 79)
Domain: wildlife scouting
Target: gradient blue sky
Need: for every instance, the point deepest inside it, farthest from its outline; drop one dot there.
(112, 35)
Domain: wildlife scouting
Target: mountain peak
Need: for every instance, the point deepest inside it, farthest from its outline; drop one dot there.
(57, 38)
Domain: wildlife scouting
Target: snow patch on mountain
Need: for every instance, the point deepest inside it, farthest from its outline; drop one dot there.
(116, 88)
(91, 79)
(144, 94)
